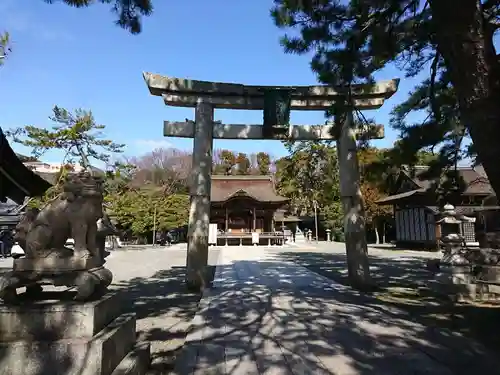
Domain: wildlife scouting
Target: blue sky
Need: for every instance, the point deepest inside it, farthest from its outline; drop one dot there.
(78, 58)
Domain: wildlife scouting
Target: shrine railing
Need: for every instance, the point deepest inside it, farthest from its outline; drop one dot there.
(255, 238)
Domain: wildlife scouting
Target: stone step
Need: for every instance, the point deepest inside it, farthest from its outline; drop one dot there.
(136, 362)
(99, 355)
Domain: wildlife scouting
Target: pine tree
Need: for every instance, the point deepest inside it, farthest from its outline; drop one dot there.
(454, 44)
(4, 47)
(129, 12)
(263, 163)
(77, 135)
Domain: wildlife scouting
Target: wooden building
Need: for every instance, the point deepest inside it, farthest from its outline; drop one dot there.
(245, 204)
(415, 209)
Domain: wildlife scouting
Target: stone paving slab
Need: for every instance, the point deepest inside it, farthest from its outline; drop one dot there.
(264, 316)
(151, 283)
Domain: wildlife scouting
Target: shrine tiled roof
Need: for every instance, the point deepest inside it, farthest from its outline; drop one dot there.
(396, 197)
(260, 188)
(415, 184)
(16, 180)
(474, 178)
(465, 210)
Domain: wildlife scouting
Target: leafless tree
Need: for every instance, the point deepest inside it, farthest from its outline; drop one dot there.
(168, 168)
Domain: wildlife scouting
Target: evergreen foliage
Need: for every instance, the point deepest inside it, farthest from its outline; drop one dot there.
(78, 135)
(129, 12)
(134, 210)
(4, 47)
(242, 164)
(352, 40)
(263, 163)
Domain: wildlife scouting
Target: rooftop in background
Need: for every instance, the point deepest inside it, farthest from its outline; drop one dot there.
(259, 188)
(25, 158)
(41, 166)
(474, 178)
(412, 183)
(7, 206)
(48, 171)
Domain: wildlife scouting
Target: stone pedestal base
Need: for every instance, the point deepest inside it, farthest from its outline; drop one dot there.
(487, 292)
(87, 275)
(465, 283)
(70, 338)
(454, 281)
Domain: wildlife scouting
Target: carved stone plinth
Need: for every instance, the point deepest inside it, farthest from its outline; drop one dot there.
(65, 337)
(87, 275)
(54, 264)
(453, 280)
(479, 283)
(487, 273)
(487, 292)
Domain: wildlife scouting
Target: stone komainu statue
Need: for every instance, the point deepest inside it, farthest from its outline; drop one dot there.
(77, 213)
(73, 214)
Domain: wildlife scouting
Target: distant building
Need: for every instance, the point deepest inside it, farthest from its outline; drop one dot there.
(245, 204)
(43, 167)
(416, 210)
(48, 171)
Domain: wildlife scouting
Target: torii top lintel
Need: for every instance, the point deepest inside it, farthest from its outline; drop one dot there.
(182, 92)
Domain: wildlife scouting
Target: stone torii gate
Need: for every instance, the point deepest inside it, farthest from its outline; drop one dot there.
(276, 102)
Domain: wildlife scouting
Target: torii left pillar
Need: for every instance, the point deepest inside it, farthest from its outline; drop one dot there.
(199, 211)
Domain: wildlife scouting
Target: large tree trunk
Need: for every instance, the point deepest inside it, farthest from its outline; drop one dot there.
(465, 42)
(358, 267)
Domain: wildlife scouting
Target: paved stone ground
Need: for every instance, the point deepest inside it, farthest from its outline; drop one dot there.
(385, 250)
(390, 267)
(151, 284)
(284, 316)
(269, 315)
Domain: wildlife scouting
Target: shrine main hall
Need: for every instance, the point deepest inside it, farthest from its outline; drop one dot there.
(242, 205)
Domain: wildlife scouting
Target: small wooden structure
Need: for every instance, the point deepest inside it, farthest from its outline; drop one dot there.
(416, 214)
(276, 102)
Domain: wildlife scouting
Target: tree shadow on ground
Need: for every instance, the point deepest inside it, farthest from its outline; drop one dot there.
(273, 316)
(164, 309)
(402, 271)
(403, 283)
(5, 267)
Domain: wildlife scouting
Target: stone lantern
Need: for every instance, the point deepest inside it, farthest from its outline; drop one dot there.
(328, 235)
